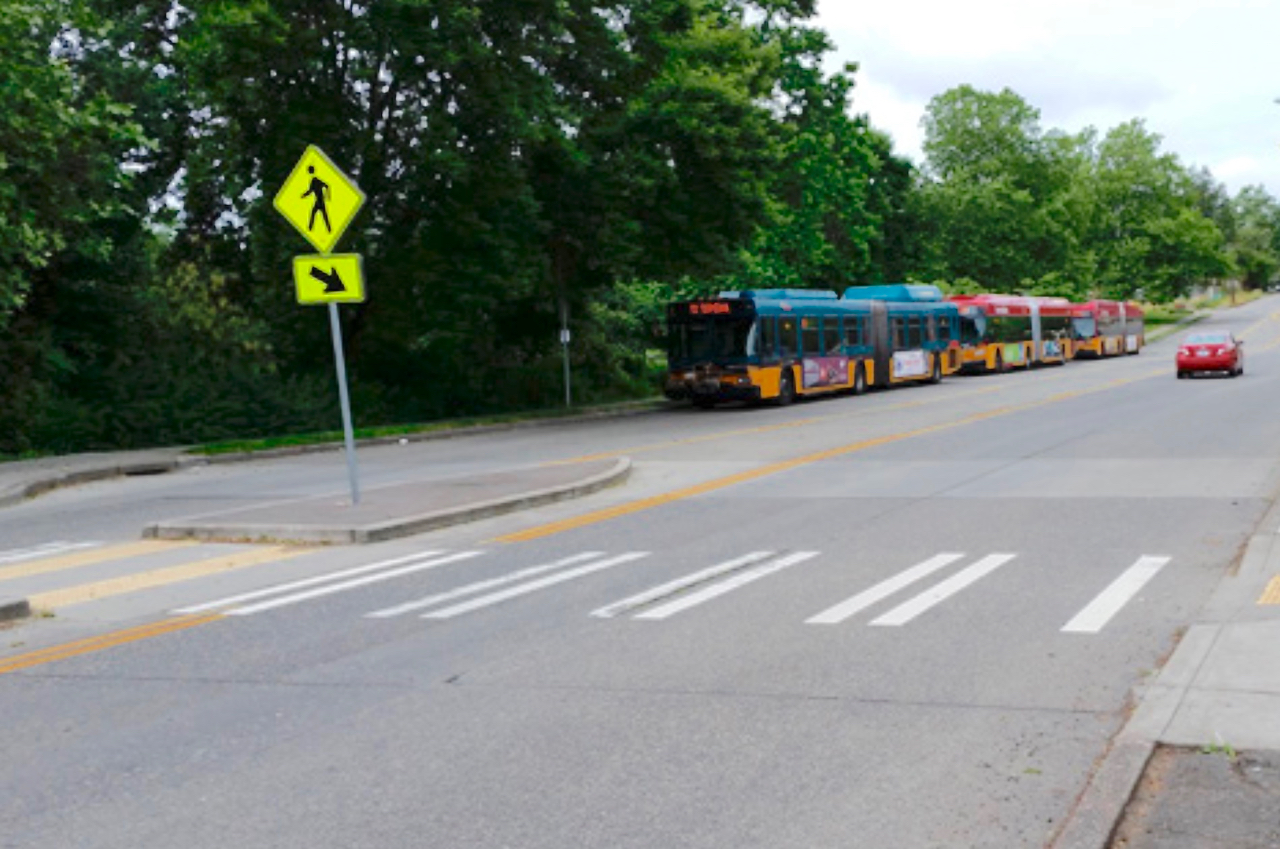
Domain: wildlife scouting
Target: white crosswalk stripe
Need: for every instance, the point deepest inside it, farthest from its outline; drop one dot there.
(908, 610)
(533, 586)
(1097, 613)
(18, 555)
(882, 590)
(481, 586)
(728, 585)
(671, 587)
(372, 572)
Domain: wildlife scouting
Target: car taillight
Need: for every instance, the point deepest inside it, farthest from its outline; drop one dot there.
(1184, 352)
(1226, 349)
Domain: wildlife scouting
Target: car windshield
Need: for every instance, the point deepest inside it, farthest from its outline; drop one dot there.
(1208, 339)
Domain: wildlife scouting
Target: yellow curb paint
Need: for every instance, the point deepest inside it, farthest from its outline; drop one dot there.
(86, 558)
(1272, 593)
(159, 577)
(106, 641)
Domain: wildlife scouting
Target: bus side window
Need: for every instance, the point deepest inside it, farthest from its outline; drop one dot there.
(831, 336)
(768, 338)
(914, 335)
(811, 337)
(944, 328)
(899, 332)
(853, 331)
(788, 337)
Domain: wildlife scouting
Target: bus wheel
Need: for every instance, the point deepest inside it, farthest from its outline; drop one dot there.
(786, 388)
(936, 376)
(704, 402)
(859, 379)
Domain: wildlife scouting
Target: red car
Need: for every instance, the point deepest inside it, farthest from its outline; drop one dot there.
(1211, 351)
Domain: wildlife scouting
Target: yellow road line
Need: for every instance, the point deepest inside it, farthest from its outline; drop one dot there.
(671, 443)
(105, 641)
(1272, 593)
(159, 577)
(773, 468)
(85, 558)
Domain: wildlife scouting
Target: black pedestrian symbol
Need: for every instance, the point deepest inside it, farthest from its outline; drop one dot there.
(320, 189)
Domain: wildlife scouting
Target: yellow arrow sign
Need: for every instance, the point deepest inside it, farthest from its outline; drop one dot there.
(329, 278)
(319, 199)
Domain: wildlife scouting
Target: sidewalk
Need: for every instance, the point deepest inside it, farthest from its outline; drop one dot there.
(1198, 763)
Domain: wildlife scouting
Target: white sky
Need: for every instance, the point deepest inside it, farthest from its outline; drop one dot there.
(1203, 74)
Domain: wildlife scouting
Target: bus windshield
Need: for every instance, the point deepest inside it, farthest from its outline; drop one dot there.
(973, 328)
(712, 339)
(1086, 328)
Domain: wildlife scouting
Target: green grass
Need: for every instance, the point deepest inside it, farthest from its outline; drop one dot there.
(232, 446)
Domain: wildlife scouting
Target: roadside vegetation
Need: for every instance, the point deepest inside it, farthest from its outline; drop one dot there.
(576, 161)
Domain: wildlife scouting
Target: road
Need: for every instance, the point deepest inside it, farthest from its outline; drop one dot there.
(910, 619)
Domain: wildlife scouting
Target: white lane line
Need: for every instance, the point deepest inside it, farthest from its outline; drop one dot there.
(1097, 613)
(18, 554)
(330, 589)
(884, 589)
(641, 599)
(532, 586)
(727, 585)
(943, 590)
(306, 582)
(480, 586)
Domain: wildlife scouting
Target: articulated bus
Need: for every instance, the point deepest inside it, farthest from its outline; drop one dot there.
(777, 344)
(1107, 329)
(999, 332)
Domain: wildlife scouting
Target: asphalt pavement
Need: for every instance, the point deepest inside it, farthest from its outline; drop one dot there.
(1197, 764)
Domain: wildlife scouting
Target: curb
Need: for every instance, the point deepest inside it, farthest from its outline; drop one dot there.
(182, 460)
(396, 528)
(1101, 806)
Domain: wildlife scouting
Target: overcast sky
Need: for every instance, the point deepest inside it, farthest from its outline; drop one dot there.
(1203, 74)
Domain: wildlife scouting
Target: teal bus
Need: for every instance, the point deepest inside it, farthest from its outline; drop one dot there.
(779, 344)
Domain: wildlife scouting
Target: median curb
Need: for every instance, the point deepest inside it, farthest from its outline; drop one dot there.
(73, 470)
(338, 529)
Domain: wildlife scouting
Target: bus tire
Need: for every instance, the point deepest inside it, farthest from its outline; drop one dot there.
(936, 375)
(786, 388)
(704, 402)
(859, 379)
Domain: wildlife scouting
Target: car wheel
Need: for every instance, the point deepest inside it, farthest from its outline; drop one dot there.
(1182, 375)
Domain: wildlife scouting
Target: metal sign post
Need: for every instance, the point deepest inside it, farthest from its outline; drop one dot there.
(320, 201)
(348, 434)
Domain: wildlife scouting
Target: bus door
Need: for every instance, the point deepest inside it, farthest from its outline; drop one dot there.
(1037, 351)
(879, 338)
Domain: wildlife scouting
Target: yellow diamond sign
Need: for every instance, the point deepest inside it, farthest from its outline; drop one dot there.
(329, 279)
(319, 199)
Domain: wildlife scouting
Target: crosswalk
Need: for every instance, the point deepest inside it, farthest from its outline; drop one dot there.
(901, 599)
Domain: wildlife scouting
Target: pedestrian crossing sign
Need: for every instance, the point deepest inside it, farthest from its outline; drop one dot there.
(318, 199)
(329, 278)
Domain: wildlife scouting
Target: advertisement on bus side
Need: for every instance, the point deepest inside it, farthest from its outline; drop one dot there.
(910, 364)
(825, 371)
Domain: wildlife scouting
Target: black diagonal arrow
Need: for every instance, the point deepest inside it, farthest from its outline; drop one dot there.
(332, 282)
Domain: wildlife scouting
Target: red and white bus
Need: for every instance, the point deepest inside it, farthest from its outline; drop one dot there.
(1107, 328)
(999, 332)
